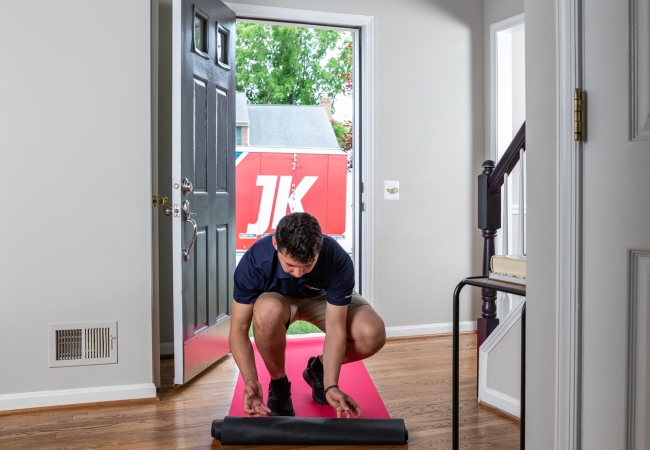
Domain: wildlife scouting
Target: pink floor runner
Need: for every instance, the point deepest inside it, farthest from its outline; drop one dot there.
(354, 380)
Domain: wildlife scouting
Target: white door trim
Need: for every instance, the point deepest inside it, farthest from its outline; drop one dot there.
(270, 13)
(364, 103)
(569, 232)
(177, 245)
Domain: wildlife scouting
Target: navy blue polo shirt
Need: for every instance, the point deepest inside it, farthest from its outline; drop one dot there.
(260, 271)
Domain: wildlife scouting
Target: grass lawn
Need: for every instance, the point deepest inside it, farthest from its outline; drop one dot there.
(298, 327)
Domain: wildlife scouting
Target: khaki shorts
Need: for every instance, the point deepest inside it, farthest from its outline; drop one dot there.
(312, 309)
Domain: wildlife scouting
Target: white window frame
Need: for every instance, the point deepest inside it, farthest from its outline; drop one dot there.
(494, 29)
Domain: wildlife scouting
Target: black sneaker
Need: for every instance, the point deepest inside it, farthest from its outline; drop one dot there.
(313, 375)
(279, 400)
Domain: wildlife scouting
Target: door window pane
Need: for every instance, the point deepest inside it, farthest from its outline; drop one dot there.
(200, 42)
(222, 46)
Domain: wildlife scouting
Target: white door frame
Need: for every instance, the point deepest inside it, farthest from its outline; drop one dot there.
(363, 102)
(364, 133)
(569, 231)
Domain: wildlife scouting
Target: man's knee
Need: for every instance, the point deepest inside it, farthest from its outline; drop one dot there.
(370, 335)
(377, 336)
(270, 312)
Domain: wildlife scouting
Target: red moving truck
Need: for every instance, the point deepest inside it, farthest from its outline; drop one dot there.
(274, 182)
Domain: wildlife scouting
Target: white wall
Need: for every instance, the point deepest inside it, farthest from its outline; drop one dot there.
(506, 354)
(75, 157)
(428, 98)
(541, 143)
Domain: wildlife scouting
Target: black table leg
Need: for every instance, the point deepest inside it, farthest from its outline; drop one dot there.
(456, 369)
(482, 282)
(522, 413)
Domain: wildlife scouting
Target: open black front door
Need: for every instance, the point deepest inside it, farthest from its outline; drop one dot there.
(206, 106)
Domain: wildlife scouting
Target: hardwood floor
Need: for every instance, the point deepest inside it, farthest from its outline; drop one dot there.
(413, 377)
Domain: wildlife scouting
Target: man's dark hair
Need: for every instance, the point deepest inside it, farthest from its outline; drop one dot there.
(300, 236)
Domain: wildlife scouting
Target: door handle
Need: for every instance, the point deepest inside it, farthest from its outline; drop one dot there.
(187, 217)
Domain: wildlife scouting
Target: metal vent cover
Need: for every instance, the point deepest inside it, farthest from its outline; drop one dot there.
(82, 344)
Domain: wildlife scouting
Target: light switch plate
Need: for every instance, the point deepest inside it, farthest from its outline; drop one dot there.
(391, 190)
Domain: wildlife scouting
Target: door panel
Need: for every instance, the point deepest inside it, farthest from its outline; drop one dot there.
(616, 214)
(221, 291)
(202, 278)
(207, 161)
(200, 135)
(222, 138)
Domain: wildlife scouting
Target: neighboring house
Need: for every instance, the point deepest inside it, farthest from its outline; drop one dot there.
(243, 122)
(285, 126)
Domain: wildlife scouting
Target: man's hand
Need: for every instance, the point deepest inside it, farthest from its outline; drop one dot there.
(254, 399)
(344, 405)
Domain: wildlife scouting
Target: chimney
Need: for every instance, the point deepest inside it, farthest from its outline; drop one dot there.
(327, 103)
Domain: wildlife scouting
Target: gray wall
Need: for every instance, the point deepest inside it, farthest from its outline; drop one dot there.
(75, 126)
(428, 136)
(75, 152)
(541, 138)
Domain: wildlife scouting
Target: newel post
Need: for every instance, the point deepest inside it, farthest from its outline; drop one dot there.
(489, 221)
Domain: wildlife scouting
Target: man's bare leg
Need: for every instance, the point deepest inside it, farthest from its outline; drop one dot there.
(366, 334)
(270, 314)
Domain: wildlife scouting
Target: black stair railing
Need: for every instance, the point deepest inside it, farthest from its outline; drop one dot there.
(490, 182)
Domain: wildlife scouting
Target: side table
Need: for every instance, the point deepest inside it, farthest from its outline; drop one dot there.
(509, 288)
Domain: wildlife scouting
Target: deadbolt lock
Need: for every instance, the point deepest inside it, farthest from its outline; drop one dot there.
(162, 202)
(159, 201)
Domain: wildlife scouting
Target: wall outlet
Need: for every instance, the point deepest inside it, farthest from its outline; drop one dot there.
(391, 190)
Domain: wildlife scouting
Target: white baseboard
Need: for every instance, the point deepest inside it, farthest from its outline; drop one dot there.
(501, 401)
(61, 397)
(166, 348)
(430, 328)
(403, 331)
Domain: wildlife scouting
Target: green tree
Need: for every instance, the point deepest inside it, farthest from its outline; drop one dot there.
(292, 65)
(343, 132)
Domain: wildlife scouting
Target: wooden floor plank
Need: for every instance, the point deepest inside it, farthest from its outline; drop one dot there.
(413, 377)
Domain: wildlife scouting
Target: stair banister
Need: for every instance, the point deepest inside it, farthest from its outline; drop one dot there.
(490, 182)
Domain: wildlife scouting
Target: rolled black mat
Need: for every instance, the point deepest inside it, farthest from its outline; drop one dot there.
(308, 431)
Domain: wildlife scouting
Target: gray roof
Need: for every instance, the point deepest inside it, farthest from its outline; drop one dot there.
(242, 110)
(290, 126)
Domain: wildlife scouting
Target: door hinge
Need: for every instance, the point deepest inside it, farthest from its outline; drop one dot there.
(578, 115)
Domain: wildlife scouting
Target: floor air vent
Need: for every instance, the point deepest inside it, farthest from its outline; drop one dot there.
(82, 344)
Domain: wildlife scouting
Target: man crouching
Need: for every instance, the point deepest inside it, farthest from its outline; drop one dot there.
(299, 274)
